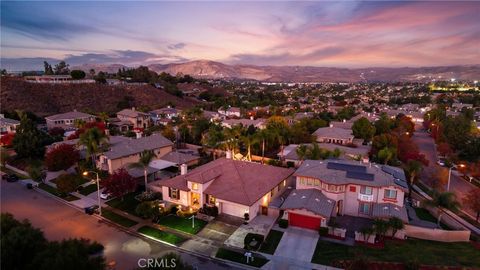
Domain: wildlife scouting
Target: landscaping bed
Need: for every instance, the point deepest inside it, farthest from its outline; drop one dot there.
(421, 251)
(116, 218)
(161, 235)
(55, 192)
(128, 204)
(271, 242)
(239, 257)
(182, 224)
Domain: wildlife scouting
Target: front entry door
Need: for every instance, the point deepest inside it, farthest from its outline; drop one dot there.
(265, 210)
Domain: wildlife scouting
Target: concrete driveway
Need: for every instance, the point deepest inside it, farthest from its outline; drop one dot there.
(297, 244)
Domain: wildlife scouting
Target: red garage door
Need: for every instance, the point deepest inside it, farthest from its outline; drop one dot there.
(303, 221)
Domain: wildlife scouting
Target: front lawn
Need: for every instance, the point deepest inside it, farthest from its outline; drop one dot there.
(161, 235)
(121, 220)
(182, 224)
(128, 204)
(55, 192)
(88, 189)
(421, 251)
(238, 257)
(271, 242)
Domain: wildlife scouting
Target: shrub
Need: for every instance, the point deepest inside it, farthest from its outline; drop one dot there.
(290, 164)
(95, 248)
(283, 223)
(323, 231)
(144, 209)
(209, 210)
(149, 196)
(253, 237)
(185, 213)
(77, 74)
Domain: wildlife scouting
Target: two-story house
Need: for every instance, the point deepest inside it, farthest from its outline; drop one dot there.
(139, 120)
(235, 187)
(230, 112)
(164, 115)
(67, 120)
(338, 187)
(128, 151)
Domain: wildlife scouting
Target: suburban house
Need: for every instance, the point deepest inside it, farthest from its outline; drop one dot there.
(164, 115)
(8, 125)
(230, 112)
(338, 187)
(333, 134)
(128, 151)
(67, 120)
(235, 187)
(138, 119)
(257, 123)
(55, 79)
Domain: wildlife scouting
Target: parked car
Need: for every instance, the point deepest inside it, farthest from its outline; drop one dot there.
(10, 177)
(105, 196)
(91, 209)
(441, 163)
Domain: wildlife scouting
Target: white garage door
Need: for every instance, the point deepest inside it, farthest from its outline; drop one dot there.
(233, 209)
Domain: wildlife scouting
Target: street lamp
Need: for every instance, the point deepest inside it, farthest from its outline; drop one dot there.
(85, 173)
(449, 175)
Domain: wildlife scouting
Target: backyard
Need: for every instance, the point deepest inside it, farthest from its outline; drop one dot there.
(421, 251)
(182, 224)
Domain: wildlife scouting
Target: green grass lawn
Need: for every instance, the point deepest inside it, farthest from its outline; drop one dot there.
(422, 251)
(128, 204)
(238, 257)
(55, 192)
(121, 220)
(88, 189)
(161, 235)
(423, 214)
(271, 242)
(182, 224)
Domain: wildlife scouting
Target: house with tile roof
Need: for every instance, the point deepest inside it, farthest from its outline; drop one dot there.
(67, 120)
(328, 188)
(8, 125)
(333, 134)
(139, 120)
(235, 187)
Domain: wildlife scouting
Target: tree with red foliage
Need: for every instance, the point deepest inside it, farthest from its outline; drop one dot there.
(404, 125)
(444, 149)
(408, 150)
(100, 125)
(61, 157)
(7, 139)
(120, 183)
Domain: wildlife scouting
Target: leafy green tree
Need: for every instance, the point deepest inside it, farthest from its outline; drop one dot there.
(48, 70)
(381, 227)
(29, 141)
(77, 74)
(383, 125)
(385, 155)
(446, 200)
(92, 139)
(67, 183)
(362, 128)
(20, 243)
(145, 158)
(101, 77)
(62, 68)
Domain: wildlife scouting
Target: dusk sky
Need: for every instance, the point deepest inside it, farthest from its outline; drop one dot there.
(334, 34)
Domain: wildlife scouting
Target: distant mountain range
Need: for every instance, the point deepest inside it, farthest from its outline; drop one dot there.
(216, 70)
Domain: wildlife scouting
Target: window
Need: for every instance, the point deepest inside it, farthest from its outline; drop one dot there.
(174, 193)
(310, 182)
(317, 183)
(302, 181)
(365, 208)
(332, 188)
(194, 186)
(390, 194)
(366, 190)
(211, 199)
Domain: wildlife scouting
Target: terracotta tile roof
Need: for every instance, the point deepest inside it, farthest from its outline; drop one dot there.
(312, 200)
(235, 181)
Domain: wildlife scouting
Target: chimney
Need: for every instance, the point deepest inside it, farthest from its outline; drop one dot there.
(229, 154)
(133, 108)
(183, 169)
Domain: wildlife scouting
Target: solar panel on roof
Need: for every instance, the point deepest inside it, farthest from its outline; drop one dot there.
(360, 176)
(346, 167)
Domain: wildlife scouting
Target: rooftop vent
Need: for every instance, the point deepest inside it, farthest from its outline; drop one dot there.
(385, 208)
(329, 201)
(303, 197)
(316, 199)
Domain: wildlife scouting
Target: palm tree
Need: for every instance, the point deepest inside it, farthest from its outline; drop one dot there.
(249, 140)
(381, 227)
(145, 158)
(263, 135)
(395, 224)
(302, 151)
(231, 139)
(446, 200)
(366, 232)
(412, 170)
(92, 139)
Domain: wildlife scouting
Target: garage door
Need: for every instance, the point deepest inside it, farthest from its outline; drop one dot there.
(233, 209)
(303, 221)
